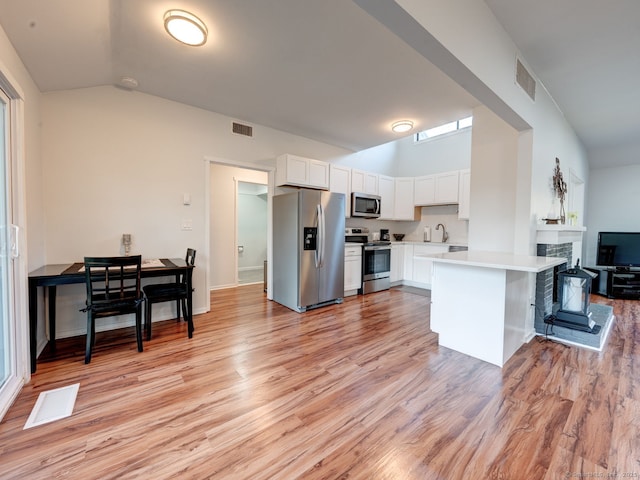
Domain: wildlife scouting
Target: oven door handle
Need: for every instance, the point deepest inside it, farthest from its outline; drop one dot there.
(377, 247)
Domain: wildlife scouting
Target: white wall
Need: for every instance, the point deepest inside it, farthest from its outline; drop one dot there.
(406, 158)
(613, 202)
(493, 183)
(118, 162)
(468, 30)
(439, 154)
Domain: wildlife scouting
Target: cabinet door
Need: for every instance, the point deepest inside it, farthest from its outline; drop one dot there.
(292, 170)
(340, 182)
(424, 190)
(447, 187)
(386, 190)
(464, 194)
(364, 182)
(397, 263)
(404, 199)
(318, 174)
(423, 263)
(422, 268)
(408, 262)
(352, 269)
(357, 180)
(301, 172)
(371, 183)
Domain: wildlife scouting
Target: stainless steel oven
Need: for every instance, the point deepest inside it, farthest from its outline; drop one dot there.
(376, 267)
(376, 260)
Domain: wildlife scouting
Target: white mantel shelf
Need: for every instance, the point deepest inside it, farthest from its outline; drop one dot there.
(559, 234)
(503, 261)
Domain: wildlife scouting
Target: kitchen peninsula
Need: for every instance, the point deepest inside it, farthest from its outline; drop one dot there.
(482, 301)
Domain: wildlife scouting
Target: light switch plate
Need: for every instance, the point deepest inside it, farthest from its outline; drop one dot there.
(187, 224)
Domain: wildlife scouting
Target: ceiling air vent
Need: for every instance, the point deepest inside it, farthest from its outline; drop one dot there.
(241, 129)
(525, 80)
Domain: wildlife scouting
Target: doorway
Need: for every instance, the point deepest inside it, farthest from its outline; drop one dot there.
(223, 177)
(251, 228)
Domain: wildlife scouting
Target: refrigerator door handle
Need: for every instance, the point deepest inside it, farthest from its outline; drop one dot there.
(321, 232)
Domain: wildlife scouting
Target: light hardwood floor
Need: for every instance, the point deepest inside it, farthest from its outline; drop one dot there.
(359, 390)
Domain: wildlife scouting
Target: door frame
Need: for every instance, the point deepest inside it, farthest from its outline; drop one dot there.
(21, 372)
(271, 170)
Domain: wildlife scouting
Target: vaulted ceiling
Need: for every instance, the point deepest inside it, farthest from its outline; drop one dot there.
(326, 69)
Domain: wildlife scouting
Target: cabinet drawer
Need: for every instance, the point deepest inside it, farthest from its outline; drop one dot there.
(353, 251)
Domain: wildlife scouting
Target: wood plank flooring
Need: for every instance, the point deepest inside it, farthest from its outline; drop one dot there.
(359, 390)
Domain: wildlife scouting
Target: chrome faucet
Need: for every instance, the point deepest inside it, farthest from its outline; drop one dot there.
(445, 235)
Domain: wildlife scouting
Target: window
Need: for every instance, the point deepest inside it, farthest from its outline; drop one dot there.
(443, 129)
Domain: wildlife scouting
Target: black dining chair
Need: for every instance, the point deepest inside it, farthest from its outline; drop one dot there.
(178, 291)
(113, 288)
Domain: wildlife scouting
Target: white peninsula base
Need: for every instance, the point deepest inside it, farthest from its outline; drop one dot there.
(481, 301)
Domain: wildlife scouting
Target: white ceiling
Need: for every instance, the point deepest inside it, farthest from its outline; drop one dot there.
(586, 53)
(326, 69)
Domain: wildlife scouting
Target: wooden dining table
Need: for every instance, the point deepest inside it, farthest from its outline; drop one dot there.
(50, 276)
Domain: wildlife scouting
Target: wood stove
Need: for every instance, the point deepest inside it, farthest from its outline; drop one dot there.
(574, 290)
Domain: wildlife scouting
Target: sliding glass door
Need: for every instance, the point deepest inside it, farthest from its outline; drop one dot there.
(7, 336)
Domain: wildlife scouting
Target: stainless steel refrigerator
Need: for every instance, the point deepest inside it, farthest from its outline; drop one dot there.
(308, 249)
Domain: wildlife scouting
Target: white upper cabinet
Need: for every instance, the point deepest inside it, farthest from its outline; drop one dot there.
(437, 189)
(340, 182)
(447, 187)
(424, 190)
(464, 194)
(364, 182)
(302, 172)
(386, 190)
(404, 208)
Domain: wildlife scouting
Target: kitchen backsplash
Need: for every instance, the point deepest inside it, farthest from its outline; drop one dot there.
(458, 230)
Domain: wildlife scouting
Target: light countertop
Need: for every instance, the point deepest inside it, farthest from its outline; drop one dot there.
(505, 261)
(416, 242)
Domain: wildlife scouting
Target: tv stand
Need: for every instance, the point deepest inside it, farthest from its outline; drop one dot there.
(620, 282)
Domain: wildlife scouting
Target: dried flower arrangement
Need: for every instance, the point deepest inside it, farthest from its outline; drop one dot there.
(559, 188)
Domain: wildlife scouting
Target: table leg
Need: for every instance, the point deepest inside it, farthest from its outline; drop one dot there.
(33, 322)
(52, 318)
(189, 306)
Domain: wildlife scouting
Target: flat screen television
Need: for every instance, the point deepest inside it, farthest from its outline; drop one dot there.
(618, 249)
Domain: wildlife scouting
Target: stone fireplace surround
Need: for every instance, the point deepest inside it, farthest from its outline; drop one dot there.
(546, 281)
(557, 241)
(552, 241)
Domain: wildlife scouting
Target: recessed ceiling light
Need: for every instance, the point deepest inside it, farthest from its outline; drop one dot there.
(185, 27)
(402, 126)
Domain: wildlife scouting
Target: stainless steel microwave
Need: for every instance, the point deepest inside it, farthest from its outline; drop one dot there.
(365, 205)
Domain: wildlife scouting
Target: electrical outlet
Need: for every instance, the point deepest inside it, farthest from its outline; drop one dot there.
(187, 224)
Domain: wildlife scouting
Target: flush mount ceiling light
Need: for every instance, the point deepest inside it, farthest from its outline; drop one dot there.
(185, 27)
(402, 126)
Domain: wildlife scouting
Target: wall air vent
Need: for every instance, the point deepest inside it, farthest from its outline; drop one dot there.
(525, 80)
(241, 129)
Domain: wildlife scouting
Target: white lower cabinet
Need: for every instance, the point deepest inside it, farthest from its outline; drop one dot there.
(422, 264)
(352, 269)
(397, 264)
